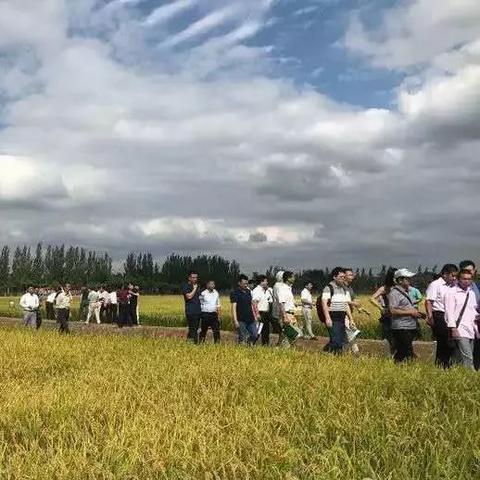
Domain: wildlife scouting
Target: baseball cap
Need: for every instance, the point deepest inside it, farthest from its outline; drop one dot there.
(279, 276)
(403, 273)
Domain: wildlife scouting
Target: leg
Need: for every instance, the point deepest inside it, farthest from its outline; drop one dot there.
(114, 310)
(476, 354)
(215, 324)
(337, 332)
(242, 333)
(90, 313)
(97, 313)
(307, 329)
(38, 318)
(252, 332)
(266, 319)
(444, 352)
(387, 334)
(193, 322)
(204, 326)
(403, 344)
(464, 352)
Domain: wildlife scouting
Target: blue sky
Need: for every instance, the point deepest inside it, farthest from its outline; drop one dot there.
(293, 132)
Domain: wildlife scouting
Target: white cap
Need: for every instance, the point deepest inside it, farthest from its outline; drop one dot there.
(279, 276)
(403, 273)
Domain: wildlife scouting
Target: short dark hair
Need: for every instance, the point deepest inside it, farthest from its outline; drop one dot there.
(242, 277)
(192, 272)
(261, 278)
(287, 275)
(464, 271)
(348, 269)
(308, 282)
(336, 271)
(449, 268)
(466, 263)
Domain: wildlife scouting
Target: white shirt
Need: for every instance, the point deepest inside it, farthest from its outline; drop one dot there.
(104, 296)
(63, 300)
(210, 301)
(285, 296)
(51, 297)
(29, 301)
(306, 297)
(262, 297)
(113, 298)
(436, 292)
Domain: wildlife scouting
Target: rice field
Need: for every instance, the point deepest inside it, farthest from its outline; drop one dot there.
(88, 407)
(168, 311)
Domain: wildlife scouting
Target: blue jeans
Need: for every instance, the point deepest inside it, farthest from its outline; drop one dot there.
(337, 333)
(247, 332)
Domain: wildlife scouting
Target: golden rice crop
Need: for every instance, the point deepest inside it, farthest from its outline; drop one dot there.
(108, 407)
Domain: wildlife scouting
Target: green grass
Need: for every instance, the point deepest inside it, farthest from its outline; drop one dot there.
(168, 311)
(87, 407)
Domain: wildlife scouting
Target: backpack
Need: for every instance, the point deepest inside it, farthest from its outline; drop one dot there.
(321, 315)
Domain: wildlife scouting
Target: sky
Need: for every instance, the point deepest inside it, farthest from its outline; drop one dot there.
(300, 133)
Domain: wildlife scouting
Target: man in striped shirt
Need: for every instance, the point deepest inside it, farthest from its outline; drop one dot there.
(336, 308)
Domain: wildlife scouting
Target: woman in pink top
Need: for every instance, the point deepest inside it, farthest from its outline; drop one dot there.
(461, 312)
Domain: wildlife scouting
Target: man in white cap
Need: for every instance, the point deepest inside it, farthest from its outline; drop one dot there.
(404, 316)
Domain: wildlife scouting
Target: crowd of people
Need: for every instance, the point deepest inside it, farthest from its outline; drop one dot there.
(452, 305)
(102, 304)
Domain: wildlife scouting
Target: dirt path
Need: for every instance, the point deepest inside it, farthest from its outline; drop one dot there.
(424, 350)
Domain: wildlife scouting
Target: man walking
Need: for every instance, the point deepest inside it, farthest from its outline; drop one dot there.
(336, 310)
(123, 299)
(242, 312)
(112, 313)
(49, 304)
(262, 301)
(404, 316)
(94, 306)
(307, 308)
(286, 302)
(211, 308)
(461, 312)
(193, 309)
(29, 304)
(63, 302)
(276, 320)
(435, 307)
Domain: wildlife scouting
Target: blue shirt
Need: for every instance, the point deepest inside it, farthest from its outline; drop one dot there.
(192, 306)
(415, 295)
(243, 299)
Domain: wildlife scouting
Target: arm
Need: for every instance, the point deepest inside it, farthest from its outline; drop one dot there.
(407, 312)
(450, 319)
(219, 307)
(429, 309)
(326, 312)
(349, 319)
(191, 294)
(374, 298)
(283, 313)
(234, 315)
(256, 313)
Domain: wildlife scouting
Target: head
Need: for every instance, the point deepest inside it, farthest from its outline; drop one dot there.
(468, 265)
(289, 278)
(193, 277)
(338, 276)
(465, 278)
(349, 276)
(211, 285)
(68, 287)
(31, 289)
(403, 278)
(309, 286)
(279, 276)
(130, 286)
(243, 282)
(449, 273)
(101, 289)
(263, 281)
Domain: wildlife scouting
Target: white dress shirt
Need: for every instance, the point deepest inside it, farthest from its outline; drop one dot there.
(262, 297)
(436, 292)
(51, 297)
(113, 298)
(29, 302)
(210, 301)
(285, 296)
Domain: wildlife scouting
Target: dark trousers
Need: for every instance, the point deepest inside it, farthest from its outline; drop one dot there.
(123, 315)
(441, 334)
(403, 344)
(210, 320)
(386, 323)
(266, 319)
(50, 311)
(476, 354)
(38, 320)
(193, 323)
(63, 315)
(133, 314)
(112, 313)
(337, 333)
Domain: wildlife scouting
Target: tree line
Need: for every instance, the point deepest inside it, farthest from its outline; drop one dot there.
(53, 264)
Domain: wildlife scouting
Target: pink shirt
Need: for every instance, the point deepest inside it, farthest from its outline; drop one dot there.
(454, 301)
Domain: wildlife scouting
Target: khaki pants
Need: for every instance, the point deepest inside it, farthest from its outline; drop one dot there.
(94, 309)
(307, 319)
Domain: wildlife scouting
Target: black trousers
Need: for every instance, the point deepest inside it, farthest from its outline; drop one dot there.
(112, 313)
(403, 344)
(337, 333)
(63, 316)
(476, 354)
(210, 320)
(267, 320)
(39, 318)
(193, 324)
(123, 315)
(441, 334)
(50, 311)
(133, 314)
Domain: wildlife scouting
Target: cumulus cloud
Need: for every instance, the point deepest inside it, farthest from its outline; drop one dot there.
(140, 131)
